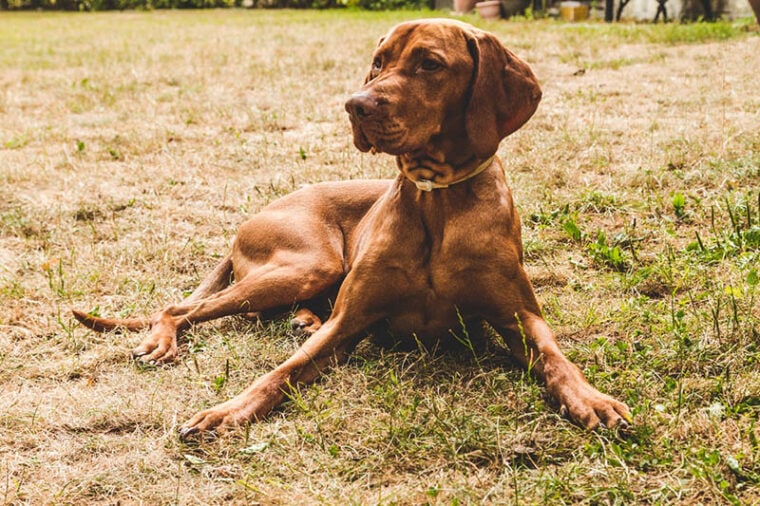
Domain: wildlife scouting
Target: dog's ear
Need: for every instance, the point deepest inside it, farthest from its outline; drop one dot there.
(504, 93)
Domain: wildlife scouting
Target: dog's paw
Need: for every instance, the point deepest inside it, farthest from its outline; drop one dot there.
(580, 401)
(249, 406)
(156, 349)
(301, 328)
(205, 424)
(217, 420)
(252, 316)
(305, 323)
(592, 409)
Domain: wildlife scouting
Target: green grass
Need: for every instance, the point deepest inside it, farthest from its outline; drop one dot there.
(132, 145)
(669, 33)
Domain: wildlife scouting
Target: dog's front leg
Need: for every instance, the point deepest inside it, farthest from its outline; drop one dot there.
(328, 346)
(532, 343)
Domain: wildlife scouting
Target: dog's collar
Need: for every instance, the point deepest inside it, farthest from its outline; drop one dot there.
(428, 185)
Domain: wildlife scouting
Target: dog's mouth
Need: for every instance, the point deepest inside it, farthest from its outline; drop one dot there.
(361, 141)
(379, 138)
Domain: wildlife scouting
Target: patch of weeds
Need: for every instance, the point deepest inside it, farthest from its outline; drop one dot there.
(709, 466)
(68, 326)
(17, 142)
(114, 148)
(679, 205)
(12, 289)
(87, 212)
(190, 118)
(567, 220)
(572, 229)
(85, 83)
(273, 121)
(114, 153)
(221, 380)
(549, 218)
(608, 255)
(649, 282)
(741, 235)
(13, 221)
(95, 312)
(599, 202)
(117, 207)
(682, 154)
(742, 474)
(55, 276)
(667, 274)
(534, 248)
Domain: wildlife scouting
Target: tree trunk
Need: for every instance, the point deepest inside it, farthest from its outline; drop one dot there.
(756, 7)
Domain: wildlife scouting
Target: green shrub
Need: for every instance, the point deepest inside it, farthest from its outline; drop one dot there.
(105, 5)
(384, 5)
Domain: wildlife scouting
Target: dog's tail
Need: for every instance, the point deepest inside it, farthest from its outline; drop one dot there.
(99, 324)
(217, 280)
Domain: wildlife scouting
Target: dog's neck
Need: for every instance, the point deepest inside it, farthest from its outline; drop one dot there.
(429, 173)
(446, 160)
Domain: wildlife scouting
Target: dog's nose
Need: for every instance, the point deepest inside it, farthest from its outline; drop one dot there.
(361, 105)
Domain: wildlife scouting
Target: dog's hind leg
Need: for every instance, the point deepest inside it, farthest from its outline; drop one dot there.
(216, 281)
(268, 286)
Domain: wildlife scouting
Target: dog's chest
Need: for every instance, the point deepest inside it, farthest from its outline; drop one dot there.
(433, 274)
(428, 306)
(434, 295)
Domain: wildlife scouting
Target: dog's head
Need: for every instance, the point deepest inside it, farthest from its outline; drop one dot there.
(441, 82)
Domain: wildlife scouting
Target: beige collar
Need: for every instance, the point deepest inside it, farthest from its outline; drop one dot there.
(427, 185)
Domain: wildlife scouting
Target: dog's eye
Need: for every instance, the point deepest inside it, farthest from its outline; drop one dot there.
(377, 64)
(429, 65)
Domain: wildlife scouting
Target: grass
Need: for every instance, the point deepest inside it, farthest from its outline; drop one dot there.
(133, 144)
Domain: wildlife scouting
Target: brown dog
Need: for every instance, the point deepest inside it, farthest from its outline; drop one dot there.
(413, 255)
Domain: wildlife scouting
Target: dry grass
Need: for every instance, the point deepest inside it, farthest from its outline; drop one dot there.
(133, 144)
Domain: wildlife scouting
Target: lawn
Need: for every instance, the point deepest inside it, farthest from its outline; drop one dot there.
(133, 144)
